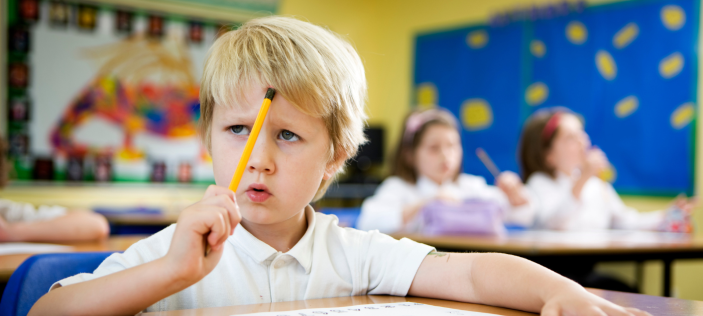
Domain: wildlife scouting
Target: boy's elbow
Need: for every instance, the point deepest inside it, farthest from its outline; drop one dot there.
(43, 306)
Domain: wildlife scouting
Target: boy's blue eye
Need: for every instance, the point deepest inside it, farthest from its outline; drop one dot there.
(288, 135)
(239, 130)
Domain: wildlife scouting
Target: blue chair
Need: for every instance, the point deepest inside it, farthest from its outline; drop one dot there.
(36, 274)
(347, 215)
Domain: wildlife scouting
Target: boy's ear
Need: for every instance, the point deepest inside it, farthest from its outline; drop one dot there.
(332, 167)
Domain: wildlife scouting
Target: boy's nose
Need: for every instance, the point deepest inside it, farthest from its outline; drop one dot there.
(260, 159)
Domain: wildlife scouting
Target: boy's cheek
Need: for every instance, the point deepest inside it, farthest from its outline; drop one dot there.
(222, 167)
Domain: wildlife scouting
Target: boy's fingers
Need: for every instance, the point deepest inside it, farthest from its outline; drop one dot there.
(551, 310)
(614, 310)
(227, 225)
(637, 312)
(214, 190)
(226, 202)
(218, 227)
(232, 216)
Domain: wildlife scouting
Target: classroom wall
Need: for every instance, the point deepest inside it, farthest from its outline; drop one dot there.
(383, 33)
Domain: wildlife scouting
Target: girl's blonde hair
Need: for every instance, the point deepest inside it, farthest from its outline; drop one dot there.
(311, 67)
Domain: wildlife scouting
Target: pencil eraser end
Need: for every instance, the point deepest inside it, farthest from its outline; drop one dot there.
(270, 93)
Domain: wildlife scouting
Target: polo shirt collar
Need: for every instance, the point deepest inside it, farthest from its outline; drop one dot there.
(260, 251)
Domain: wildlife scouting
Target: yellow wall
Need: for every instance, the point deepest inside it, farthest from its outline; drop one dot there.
(383, 33)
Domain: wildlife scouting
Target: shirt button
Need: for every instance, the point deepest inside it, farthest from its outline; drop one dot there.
(279, 264)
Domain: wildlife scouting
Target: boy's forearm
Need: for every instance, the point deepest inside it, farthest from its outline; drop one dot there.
(126, 292)
(514, 282)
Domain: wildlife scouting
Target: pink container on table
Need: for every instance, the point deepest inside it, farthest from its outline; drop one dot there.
(468, 217)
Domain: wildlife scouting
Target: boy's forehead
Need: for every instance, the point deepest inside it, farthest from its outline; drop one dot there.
(281, 110)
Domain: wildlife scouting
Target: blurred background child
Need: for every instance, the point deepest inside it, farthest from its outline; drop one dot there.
(561, 168)
(427, 168)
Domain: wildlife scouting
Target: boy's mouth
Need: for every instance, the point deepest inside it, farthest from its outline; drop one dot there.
(258, 193)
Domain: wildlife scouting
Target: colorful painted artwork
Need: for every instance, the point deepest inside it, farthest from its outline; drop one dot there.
(170, 111)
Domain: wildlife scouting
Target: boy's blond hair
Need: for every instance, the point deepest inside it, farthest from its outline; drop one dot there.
(311, 67)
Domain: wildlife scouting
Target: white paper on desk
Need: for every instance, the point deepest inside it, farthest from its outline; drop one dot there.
(392, 309)
(13, 248)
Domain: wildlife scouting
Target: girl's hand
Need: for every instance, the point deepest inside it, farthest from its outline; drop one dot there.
(512, 186)
(595, 162)
(685, 204)
(577, 301)
(208, 222)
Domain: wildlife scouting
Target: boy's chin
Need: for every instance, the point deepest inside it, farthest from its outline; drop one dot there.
(262, 215)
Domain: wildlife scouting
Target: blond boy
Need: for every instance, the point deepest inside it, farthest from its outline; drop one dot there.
(268, 244)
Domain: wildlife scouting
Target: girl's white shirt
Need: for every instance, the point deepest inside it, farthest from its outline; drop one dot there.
(599, 206)
(384, 210)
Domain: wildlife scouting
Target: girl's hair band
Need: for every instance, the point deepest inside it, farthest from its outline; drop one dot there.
(551, 126)
(418, 119)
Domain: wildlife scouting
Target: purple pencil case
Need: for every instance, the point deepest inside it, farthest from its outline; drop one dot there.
(468, 217)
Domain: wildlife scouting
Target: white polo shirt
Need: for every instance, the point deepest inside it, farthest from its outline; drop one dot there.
(328, 261)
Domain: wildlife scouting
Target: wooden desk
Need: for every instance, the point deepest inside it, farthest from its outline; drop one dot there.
(552, 249)
(9, 263)
(653, 304)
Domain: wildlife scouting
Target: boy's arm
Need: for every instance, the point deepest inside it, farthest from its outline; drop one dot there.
(507, 281)
(211, 221)
(122, 293)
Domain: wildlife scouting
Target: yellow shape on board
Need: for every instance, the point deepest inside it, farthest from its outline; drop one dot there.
(476, 114)
(134, 123)
(536, 93)
(426, 95)
(606, 65)
(626, 35)
(671, 65)
(576, 32)
(626, 106)
(608, 174)
(683, 115)
(130, 154)
(673, 17)
(477, 39)
(537, 48)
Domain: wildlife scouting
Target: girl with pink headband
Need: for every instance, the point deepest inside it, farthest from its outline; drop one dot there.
(561, 170)
(427, 168)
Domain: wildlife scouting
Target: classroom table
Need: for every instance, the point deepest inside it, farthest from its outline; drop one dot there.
(654, 304)
(553, 249)
(9, 263)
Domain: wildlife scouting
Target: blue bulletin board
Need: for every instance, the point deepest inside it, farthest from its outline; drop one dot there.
(630, 69)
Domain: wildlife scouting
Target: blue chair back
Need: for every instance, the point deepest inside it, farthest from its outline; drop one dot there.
(36, 274)
(347, 215)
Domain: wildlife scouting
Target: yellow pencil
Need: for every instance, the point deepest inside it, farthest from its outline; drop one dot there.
(249, 147)
(254, 134)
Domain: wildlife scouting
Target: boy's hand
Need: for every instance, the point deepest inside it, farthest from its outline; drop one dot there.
(578, 301)
(210, 221)
(512, 186)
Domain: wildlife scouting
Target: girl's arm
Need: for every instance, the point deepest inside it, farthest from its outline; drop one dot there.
(594, 162)
(388, 210)
(210, 221)
(74, 226)
(507, 281)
